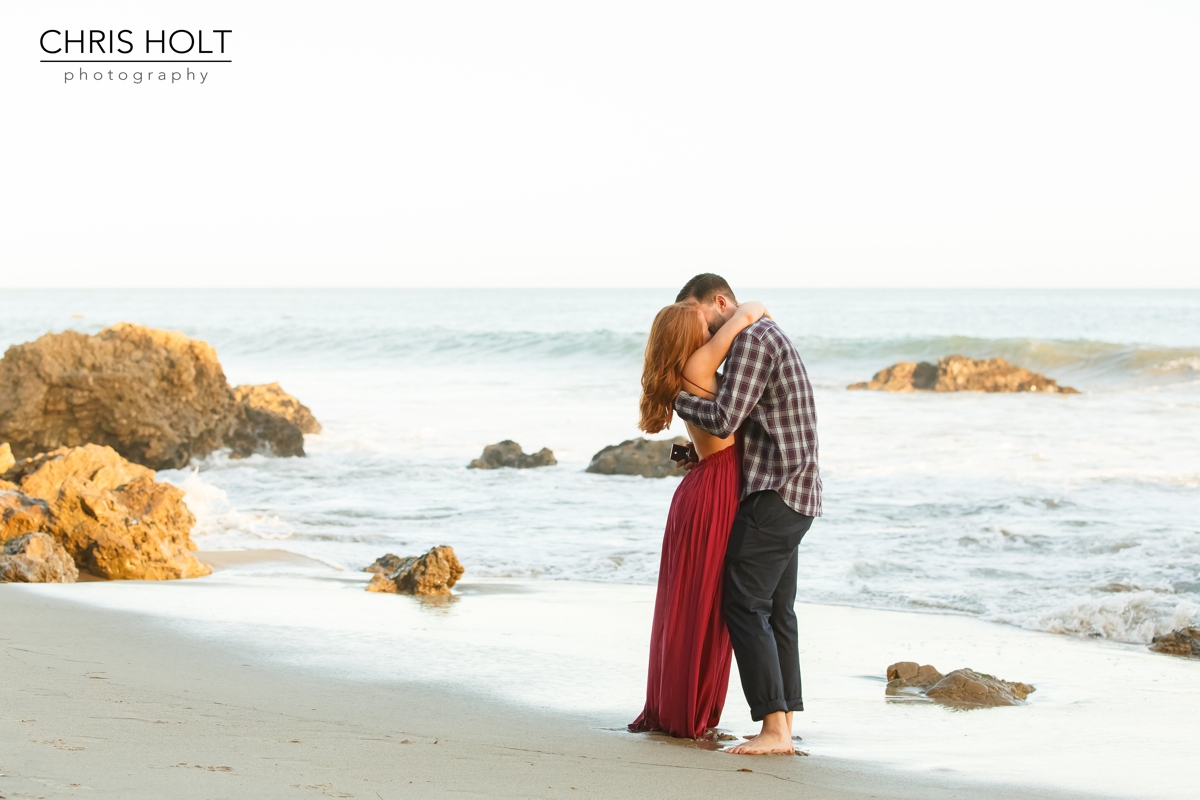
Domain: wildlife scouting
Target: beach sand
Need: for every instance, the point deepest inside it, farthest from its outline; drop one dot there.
(262, 682)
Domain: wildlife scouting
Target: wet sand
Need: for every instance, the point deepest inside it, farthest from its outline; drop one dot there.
(252, 684)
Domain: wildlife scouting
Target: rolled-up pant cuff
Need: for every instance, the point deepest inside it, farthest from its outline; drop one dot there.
(757, 712)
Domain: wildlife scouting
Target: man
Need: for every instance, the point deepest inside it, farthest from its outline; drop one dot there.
(764, 394)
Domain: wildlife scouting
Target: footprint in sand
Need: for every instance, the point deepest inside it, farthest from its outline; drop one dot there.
(59, 744)
(324, 788)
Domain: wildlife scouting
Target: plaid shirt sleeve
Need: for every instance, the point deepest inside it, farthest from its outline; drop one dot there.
(746, 374)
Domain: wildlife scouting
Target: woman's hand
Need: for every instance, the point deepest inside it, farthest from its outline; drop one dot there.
(753, 311)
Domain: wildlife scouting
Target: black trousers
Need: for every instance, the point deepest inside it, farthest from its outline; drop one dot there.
(760, 592)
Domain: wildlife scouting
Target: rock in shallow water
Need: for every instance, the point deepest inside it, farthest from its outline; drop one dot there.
(650, 458)
(110, 515)
(270, 398)
(1183, 642)
(431, 574)
(968, 688)
(962, 688)
(157, 397)
(275, 422)
(36, 558)
(508, 454)
(908, 673)
(961, 374)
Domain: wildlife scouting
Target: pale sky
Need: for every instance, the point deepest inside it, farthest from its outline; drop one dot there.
(612, 144)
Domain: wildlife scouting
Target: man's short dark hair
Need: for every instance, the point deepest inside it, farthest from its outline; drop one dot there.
(704, 287)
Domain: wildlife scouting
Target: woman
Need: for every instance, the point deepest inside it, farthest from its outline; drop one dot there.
(689, 645)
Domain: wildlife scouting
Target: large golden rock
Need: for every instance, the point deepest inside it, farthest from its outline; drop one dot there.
(20, 514)
(157, 397)
(110, 515)
(431, 574)
(961, 374)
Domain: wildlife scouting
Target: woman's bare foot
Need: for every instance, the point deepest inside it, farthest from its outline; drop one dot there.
(775, 737)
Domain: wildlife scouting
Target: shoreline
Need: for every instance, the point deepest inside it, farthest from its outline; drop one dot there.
(523, 686)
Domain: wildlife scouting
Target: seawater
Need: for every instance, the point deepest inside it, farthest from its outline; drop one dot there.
(1075, 515)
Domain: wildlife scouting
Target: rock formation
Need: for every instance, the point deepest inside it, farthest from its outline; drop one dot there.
(20, 514)
(111, 516)
(961, 374)
(508, 454)
(966, 687)
(156, 397)
(36, 558)
(650, 458)
(962, 688)
(270, 398)
(431, 574)
(385, 564)
(1183, 642)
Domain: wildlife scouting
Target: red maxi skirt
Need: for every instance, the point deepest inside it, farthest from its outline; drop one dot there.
(689, 644)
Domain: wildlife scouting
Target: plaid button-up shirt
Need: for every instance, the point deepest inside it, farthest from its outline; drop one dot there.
(766, 395)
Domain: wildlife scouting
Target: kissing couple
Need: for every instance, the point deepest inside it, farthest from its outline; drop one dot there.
(727, 579)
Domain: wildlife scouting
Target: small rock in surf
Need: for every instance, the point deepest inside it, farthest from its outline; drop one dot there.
(1183, 642)
(650, 458)
(508, 454)
(433, 573)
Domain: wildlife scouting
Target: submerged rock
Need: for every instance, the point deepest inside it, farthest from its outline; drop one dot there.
(508, 454)
(36, 558)
(156, 397)
(961, 374)
(650, 458)
(962, 688)
(109, 514)
(968, 688)
(431, 574)
(1183, 642)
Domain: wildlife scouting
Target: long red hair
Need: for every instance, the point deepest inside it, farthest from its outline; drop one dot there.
(677, 332)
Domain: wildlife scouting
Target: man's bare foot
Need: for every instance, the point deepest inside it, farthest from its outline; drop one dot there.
(763, 744)
(787, 721)
(775, 737)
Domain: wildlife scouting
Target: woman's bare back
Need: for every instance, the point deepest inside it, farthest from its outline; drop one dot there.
(706, 444)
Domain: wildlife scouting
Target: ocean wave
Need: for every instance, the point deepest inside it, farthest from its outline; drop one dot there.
(217, 519)
(1060, 358)
(1124, 616)
(398, 346)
